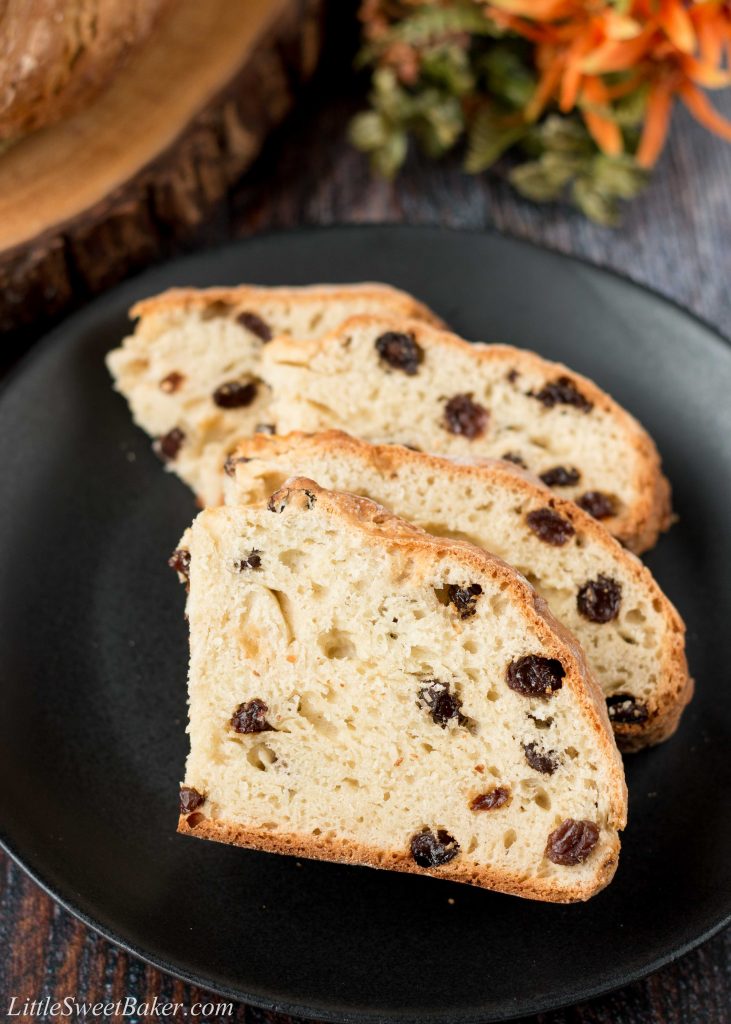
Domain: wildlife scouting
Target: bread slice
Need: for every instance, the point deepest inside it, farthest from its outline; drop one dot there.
(343, 706)
(191, 370)
(632, 635)
(388, 380)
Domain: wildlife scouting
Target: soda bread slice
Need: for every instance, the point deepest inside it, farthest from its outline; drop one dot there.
(632, 635)
(191, 369)
(386, 380)
(344, 706)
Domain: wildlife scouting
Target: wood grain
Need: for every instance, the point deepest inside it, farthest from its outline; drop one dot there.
(677, 239)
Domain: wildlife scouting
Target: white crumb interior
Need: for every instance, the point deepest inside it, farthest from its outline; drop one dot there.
(342, 383)
(337, 635)
(208, 347)
(628, 654)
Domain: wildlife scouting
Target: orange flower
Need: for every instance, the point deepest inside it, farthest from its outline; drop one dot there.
(670, 47)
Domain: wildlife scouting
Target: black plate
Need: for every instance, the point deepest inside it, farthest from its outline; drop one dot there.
(93, 662)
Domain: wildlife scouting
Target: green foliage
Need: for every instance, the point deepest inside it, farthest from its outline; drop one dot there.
(567, 164)
(490, 134)
(433, 115)
(470, 88)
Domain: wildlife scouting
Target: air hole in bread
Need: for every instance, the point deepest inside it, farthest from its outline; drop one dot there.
(509, 838)
(213, 310)
(261, 756)
(314, 709)
(542, 799)
(337, 644)
(285, 607)
(635, 616)
(442, 595)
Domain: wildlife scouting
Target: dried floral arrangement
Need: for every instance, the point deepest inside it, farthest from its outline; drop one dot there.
(581, 90)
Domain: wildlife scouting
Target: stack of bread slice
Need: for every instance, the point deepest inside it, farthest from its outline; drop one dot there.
(418, 629)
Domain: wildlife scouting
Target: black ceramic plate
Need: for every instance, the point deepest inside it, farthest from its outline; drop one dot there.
(93, 663)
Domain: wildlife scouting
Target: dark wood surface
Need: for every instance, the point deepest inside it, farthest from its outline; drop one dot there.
(677, 239)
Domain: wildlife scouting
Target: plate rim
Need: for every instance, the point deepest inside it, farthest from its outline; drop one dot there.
(37, 350)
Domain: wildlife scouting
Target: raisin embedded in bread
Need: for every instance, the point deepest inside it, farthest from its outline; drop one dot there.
(632, 635)
(342, 706)
(191, 371)
(387, 380)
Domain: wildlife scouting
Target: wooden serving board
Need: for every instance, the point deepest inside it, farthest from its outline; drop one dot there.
(86, 201)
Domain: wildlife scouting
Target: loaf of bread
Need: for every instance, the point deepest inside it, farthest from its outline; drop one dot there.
(191, 370)
(632, 635)
(387, 380)
(56, 56)
(362, 691)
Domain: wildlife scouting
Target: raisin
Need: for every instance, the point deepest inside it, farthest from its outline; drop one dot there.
(251, 717)
(265, 428)
(440, 703)
(511, 376)
(572, 842)
(254, 323)
(599, 599)
(190, 799)
(464, 599)
(515, 458)
(465, 417)
(431, 851)
(252, 561)
(491, 800)
(626, 710)
(168, 446)
(545, 761)
(278, 501)
(400, 351)
(550, 527)
(233, 394)
(561, 476)
(180, 562)
(172, 382)
(232, 461)
(535, 676)
(562, 391)
(597, 504)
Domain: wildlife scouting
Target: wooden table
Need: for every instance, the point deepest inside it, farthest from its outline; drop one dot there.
(677, 239)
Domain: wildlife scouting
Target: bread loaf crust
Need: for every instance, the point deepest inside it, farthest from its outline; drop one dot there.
(59, 54)
(184, 300)
(345, 851)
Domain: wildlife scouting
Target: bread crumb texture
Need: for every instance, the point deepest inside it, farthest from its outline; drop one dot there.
(192, 367)
(362, 691)
(631, 633)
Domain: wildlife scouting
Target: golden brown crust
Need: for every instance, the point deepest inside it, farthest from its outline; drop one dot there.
(676, 687)
(185, 299)
(47, 75)
(637, 527)
(349, 852)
